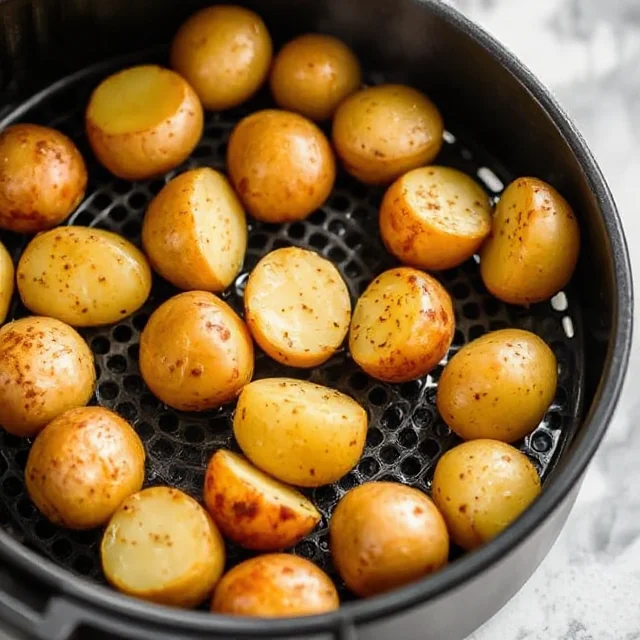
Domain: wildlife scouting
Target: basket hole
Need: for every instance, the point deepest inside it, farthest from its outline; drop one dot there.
(336, 254)
(127, 411)
(257, 241)
(108, 391)
(100, 345)
(132, 229)
(137, 200)
(118, 213)
(392, 417)
(411, 467)
(429, 448)
(21, 458)
(278, 243)
(422, 417)
(374, 437)
(348, 482)
(156, 186)
(133, 384)
(296, 231)
(101, 201)
(44, 529)
(458, 339)
(83, 565)
(476, 331)
(541, 441)
(117, 364)
(122, 333)
(325, 497)
(318, 217)
(340, 202)
(140, 321)
(26, 509)
(337, 227)
(442, 430)
(408, 438)
(134, 352)
(491, 306)
(377, 396)
(368, 467)
(461, 290)
(83, 219)
(61, 549)
(149, 402)
(389, 454)
(471, 311)
(359, 214)
(162, 448)
(121, 187)
(358, 381)
(353, 240)
(352, 270)
(145, 430)
(410, 390)
(318, 241)
(194, 434)
(168, 423)
(496, 325)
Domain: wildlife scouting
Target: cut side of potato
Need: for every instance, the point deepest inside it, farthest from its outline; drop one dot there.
(7, 281)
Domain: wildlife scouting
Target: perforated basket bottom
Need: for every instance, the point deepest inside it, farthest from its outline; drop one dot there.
(406, 435)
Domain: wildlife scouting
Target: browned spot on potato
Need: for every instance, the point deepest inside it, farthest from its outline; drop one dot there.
(247, 510)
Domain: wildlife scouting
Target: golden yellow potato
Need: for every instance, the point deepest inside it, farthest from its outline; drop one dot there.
(46, 368)
(195, 352)
(7, 273)
(533, 248)
(384, 535)
(498, 386)
(195, 232)
(224, 52)
(313, 74)
(162, 546)
(297, 307)
(276, 585)
(251, 508)
(381, 132)
(402, 325)
(82, 466)
(281, 165)
(82, 276)
(434, 218)
(481, 487)
(42, 178)
(299, 432)
(143, 121)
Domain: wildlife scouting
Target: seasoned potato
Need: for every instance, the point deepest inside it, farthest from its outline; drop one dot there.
(434, 218)
(313, 74)
(162, 546)
(384, 535)
(253, 509)
(402, 325)
(281, 165)
(82, 276)
(534, 244)
(46, 368)
(382, 132)
(82, 466)
(195, 352)
(143, 121)
(273, 586)
(7, 273)
(297, 307)
(481, 487)
(498, 386)
(224, 52)
(42, 178)
(195, 231)
(299, 432)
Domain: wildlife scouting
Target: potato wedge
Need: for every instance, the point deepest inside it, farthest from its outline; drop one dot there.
(7, 282)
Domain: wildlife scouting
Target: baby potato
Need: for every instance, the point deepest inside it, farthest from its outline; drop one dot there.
(381, 132)
(46, 368)
(299, 432)
(297, 307)
(533, 248)
(195, 352)
(162, 546)
(251, 508)
(402, 325)
(481, 487)
(313, 74)
(7, 273)
(275, 585)
(498, 386)
(82, 466)
(195, 231)
(384, 535)
(42, 178)
(281, 165)
(224, 52)
(143, 121)
(434, 218)
(82, 276)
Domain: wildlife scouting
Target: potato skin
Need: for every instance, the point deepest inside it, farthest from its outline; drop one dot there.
(82, 466)
(46, 368)
(481, 487)
(275, 585)
(534, 244)
(7, 279)
(82, 276)
(384, 535)
(498, 386)
(195, 352)
(42, 178)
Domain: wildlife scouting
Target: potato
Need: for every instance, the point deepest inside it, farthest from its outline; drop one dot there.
(481, 487)
(313, 74)
(297, 307)
(195, 231)
(143, 121)
(434, 218)
(273, 586)
(82, 466)
(402, 325)
(195, 352)
(82, 276)
(533, 248)
(384, 535)
(224, 52)
(46, 368)
(42, 178)
(251, 508)
(7, 273)
(162, 546)
(498, 386)
(299, 432)
(381, 132)
(281, 165)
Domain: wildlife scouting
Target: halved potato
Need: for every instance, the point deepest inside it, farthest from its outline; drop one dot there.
(7, 280)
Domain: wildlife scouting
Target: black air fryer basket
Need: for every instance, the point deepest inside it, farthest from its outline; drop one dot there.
(502, 123)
